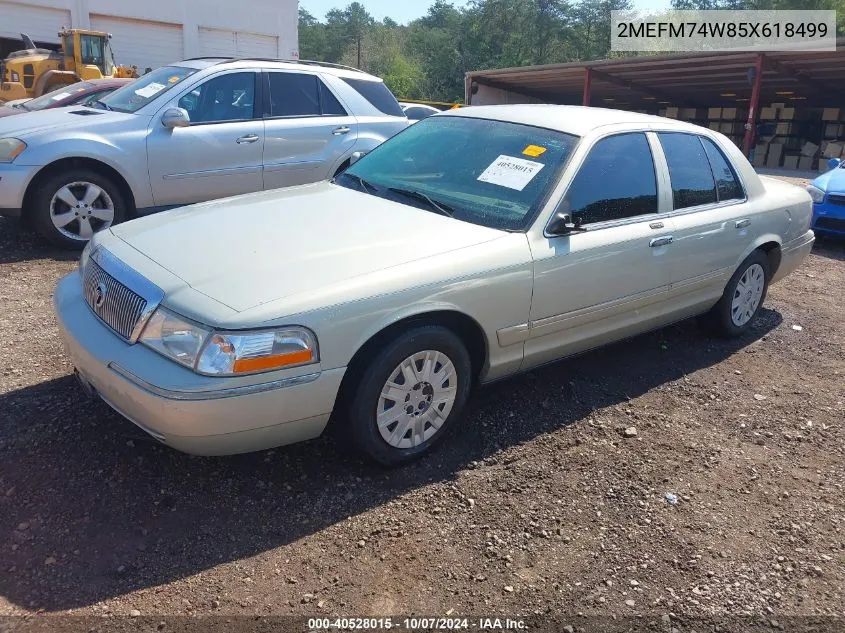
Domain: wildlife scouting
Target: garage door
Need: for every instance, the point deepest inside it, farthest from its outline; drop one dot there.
(253, 45)
(142, 43)
(41, 24)
(237, 44)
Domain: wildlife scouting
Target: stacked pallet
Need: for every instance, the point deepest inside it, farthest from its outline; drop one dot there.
(833, 136)
(728, 121)
(783, 142)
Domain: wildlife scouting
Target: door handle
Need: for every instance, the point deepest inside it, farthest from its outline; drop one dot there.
(341, 130)
(661, 241)
(249, 138)
(742, 224)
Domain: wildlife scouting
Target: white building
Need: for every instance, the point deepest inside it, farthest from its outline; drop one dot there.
(153, 33)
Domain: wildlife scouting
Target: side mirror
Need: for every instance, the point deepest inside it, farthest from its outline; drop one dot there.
(562, 224)
(833, 163)
(175, 117)
(356, 156)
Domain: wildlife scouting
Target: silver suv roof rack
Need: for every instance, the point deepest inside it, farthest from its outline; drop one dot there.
(308, 62)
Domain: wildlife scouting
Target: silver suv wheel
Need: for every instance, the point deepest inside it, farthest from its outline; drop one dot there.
(79, 209)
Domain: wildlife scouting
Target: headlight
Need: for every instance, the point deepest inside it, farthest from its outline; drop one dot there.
(10, 149)
(815, 193)
(228, 353)
(15, 76)
(234, 353)
(172, 336)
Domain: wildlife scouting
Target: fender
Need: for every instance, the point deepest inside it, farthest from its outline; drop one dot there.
(63, 77)
(420, 310)
(131, 166)
(766, 238)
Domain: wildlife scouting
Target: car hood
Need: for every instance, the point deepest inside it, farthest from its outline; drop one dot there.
(832, 181)
(28, 123)
(250, 250)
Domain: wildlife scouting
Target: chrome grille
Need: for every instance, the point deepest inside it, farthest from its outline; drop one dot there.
(115, 304)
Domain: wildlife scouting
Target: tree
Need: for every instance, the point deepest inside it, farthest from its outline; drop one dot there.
(348, 26)
(429, 57)
(312, 36)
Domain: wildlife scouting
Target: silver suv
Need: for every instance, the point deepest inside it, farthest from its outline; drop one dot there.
(195, 131)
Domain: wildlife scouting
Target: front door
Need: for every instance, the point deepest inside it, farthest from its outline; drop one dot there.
(609, 281)
(308, 130)
(219, 154)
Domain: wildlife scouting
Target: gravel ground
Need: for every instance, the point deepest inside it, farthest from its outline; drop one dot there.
(672, 473)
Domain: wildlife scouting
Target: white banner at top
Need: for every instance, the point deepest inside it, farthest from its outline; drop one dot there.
(696, 31)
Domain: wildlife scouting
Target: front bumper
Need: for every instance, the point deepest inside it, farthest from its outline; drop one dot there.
(14, 179)
(829, 218)
(202, 420)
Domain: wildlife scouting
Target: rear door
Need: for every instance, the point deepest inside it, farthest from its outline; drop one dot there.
(308, 130)
(710, 228)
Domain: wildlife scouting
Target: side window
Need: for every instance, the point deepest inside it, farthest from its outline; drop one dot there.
(294, 94)
(329, 103)
(377, 94)
(727, 184)
(689, 170)
(616, 180)
(228, 97)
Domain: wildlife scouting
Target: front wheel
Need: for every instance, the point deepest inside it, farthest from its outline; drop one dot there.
(410, 394)
(743, 297)
(69, 207)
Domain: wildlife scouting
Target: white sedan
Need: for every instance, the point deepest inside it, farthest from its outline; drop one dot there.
(474, 245)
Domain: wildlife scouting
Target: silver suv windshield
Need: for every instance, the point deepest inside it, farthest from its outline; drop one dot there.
(135, 95)
(492, 173)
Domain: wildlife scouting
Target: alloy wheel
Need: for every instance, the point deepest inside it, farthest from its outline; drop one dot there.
(79, 209)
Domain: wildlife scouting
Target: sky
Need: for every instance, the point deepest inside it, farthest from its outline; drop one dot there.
(404, 11)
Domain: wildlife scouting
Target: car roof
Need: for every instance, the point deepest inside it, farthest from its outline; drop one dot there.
(577, 120)
(283, 64)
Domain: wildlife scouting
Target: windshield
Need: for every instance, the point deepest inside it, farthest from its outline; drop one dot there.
(60, 94)
(492, 173)
(134, 96)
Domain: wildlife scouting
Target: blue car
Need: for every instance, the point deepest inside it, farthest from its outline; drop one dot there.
(828, 194)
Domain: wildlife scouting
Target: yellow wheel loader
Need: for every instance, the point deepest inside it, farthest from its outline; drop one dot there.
(83, 55)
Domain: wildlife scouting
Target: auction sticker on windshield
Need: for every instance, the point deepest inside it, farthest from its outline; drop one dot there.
(511, 172)
(149, 91)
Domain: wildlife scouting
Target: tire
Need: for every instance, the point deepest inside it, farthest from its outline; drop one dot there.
(426, 348)
(735, 313)
(52, 199)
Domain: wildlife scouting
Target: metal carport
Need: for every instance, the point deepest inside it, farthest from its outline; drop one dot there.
(805, 79)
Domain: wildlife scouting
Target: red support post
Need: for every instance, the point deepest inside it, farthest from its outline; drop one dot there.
(753, 107)
(588, 81)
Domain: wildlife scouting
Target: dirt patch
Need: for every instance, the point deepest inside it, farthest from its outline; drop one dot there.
(727, 500)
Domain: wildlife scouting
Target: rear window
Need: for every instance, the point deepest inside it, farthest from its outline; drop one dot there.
(377, 94)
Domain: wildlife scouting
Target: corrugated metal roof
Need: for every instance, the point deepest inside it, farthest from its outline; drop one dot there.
(694, 79)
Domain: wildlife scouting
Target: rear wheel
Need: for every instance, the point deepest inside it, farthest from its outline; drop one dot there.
(743, 297)
(410, 394)
(69, 207)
